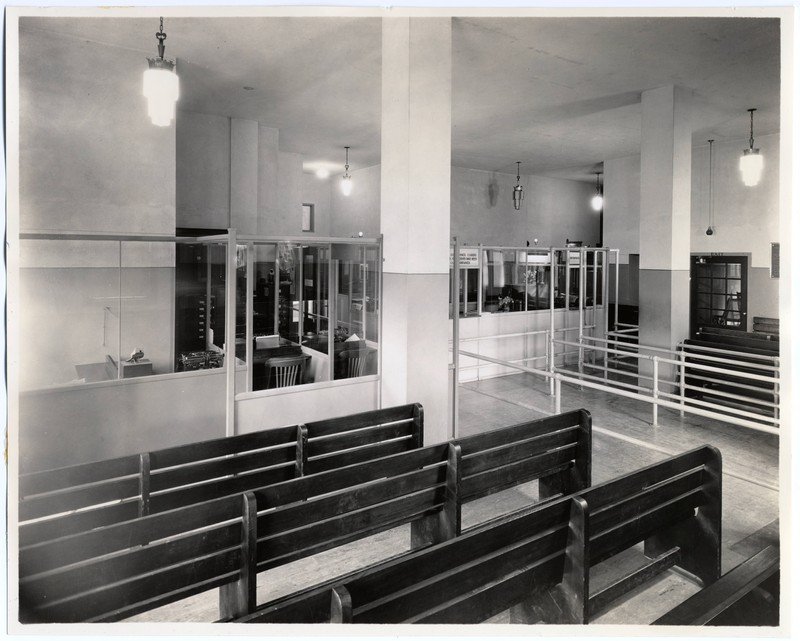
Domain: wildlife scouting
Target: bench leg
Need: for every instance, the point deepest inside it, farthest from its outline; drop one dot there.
(700, 537)
(568, 602)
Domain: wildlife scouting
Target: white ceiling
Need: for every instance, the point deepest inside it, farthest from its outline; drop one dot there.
(558, 94)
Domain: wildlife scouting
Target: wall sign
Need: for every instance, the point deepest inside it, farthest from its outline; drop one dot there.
(468, 258)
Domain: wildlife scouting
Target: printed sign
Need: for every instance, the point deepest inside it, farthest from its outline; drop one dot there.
(468, 258)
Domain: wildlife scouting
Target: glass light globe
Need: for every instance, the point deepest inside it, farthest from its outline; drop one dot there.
(161, 89)
(597, 202)
(751, 164)
(347, 185)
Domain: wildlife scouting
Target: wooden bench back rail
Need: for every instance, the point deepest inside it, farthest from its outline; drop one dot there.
(313, 513)
(134, 486)
(538, 558)
(121, 570)
(334, 443)
(426, 488)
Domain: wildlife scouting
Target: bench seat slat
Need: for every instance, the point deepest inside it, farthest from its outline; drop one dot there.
(348, 440)
(235, 464)
(363, 419)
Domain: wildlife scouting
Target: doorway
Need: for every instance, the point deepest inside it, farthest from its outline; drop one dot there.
(718, 293)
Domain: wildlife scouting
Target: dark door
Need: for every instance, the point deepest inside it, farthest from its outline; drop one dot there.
(719, 292)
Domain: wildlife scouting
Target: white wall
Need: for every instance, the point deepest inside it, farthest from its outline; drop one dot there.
(318, 192)
(360, 211)
(482, 210)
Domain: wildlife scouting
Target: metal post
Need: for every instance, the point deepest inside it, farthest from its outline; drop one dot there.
(776, 390)
(480, 279)
(605, 310)
(616, 289)
(230, 334)
(379, 321)
(456, 339)
(249, 317)
(551, 362)
(558, 395)
(682, 381)
(581, 300)
(655, 390)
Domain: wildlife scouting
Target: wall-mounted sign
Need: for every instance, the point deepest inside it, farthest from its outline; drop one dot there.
(468, 258)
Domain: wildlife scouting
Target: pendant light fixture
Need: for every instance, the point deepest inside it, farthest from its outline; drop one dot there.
(597, 199)
(752, 162)
(519, 194)
(161, 85)
(710, 230)
(347, 182)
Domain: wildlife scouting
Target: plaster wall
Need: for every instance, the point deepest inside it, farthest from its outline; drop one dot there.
(482, 210)
(90, 159)
(203, 175)
(360, 211)
(318, 193)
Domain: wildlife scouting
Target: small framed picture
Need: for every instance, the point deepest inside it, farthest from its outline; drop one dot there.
(308, 217)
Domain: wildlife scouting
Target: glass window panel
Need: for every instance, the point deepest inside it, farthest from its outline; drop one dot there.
(734, 270)
(718, 270)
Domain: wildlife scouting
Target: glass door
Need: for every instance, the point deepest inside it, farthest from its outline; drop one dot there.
(719, 292)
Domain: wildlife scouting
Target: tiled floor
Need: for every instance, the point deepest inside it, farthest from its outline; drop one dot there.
(623, 440)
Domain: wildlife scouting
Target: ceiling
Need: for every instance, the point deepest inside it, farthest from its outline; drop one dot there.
(558, 94)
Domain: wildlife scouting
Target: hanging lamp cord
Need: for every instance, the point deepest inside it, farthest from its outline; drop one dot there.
(346, 158)
(711, 183)
(751, 128)
(517, 171)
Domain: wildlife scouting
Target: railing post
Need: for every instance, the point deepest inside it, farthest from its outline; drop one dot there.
(655, 390)
(551, 361)
(682, 380)
(776, 391)
(558, 395)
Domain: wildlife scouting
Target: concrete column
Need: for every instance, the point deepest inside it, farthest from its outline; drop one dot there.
(244, 175)
(664, 229)
(415, 216)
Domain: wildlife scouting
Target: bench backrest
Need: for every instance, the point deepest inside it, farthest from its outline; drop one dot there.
(547, 549)
(313, 513)
(81, 497)
(120, 570)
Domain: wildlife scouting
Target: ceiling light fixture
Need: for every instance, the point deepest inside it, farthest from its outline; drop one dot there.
(710, 230)
(161, 85)
(597, 199)
(519, 194)
(752, 162)
(347, 183)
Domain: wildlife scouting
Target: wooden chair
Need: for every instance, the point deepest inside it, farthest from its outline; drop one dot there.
(353, 362)
(289, 370)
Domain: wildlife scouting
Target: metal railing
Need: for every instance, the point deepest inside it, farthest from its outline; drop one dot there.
(670, 379)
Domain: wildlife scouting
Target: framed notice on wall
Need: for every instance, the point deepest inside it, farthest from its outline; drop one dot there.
(308, 217)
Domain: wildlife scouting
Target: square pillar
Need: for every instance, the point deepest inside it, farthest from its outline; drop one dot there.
(415, 216)
(665, 216)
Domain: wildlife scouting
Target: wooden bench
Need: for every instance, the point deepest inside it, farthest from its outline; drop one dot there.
(754, 356)
(746, 595)
(299, 517)
(81, 497)
(120, 570)
(536, 560)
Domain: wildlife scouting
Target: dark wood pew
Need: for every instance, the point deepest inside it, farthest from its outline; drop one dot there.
(753, 352)
(81, 497)
(120, 570)
(425, 487)
(536, 560)
(749, 594)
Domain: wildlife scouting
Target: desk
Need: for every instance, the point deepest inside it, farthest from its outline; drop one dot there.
(267, 347)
